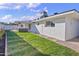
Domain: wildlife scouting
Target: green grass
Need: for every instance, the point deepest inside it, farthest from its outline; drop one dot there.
(18, 47)
(46, 46)
(24, 43)
(1, 33)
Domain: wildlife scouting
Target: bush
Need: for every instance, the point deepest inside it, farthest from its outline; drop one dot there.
(23, 30)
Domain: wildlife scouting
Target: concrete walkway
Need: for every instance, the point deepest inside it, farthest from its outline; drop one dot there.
(6, 44)
(72, 44)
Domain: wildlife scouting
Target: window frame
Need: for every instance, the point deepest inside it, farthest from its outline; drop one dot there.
(49, 24)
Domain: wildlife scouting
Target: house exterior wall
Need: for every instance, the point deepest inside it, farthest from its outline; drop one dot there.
(10, 27)
(24, 25)
(57, 32)
(72, 28)
(1, 26)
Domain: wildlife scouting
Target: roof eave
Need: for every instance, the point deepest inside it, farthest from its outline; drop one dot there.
(58, 15)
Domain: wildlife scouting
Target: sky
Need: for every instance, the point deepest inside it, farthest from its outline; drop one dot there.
(10, 12)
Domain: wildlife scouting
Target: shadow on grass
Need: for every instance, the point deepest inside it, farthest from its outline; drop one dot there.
(25, 49)
(2, 45)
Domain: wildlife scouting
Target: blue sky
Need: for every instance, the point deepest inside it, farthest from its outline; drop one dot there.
(10, 12)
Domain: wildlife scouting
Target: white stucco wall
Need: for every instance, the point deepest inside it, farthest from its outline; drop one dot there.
(72, 28)
(57, 32)
(24, 25)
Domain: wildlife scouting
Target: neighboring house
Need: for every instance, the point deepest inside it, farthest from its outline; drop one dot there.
(5, 26)
(2, 26)
(23, 25)
(10, 27)
(15, 26)
(62, 26)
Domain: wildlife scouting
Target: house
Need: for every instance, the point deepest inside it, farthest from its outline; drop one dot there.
(63, 26)
(15, 26)
(5, 26)
(2, 26)
(23, 25)
(10, 26)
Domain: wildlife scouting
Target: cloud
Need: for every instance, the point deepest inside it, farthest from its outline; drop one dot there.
(10, 6)
(45, 9)
(32, 5)
(38, 14)
(27, 18)
(7, 17)
(34, 10)
(17, 6)
(2, 3)
(39, 10)
(3, 7)
(10, 18)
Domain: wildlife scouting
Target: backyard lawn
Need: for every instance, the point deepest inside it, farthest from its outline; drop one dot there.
(2, 43)
(26, 43)
(18, 47)
(1, 33)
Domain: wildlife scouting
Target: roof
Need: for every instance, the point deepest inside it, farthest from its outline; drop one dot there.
(19, 22)
(58, 14)
(3, 23)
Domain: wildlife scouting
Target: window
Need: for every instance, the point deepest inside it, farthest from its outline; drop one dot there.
(49, 24)
(21, 25)
(52, 24)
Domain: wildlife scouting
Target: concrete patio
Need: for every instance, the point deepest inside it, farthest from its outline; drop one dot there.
(73, 43)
